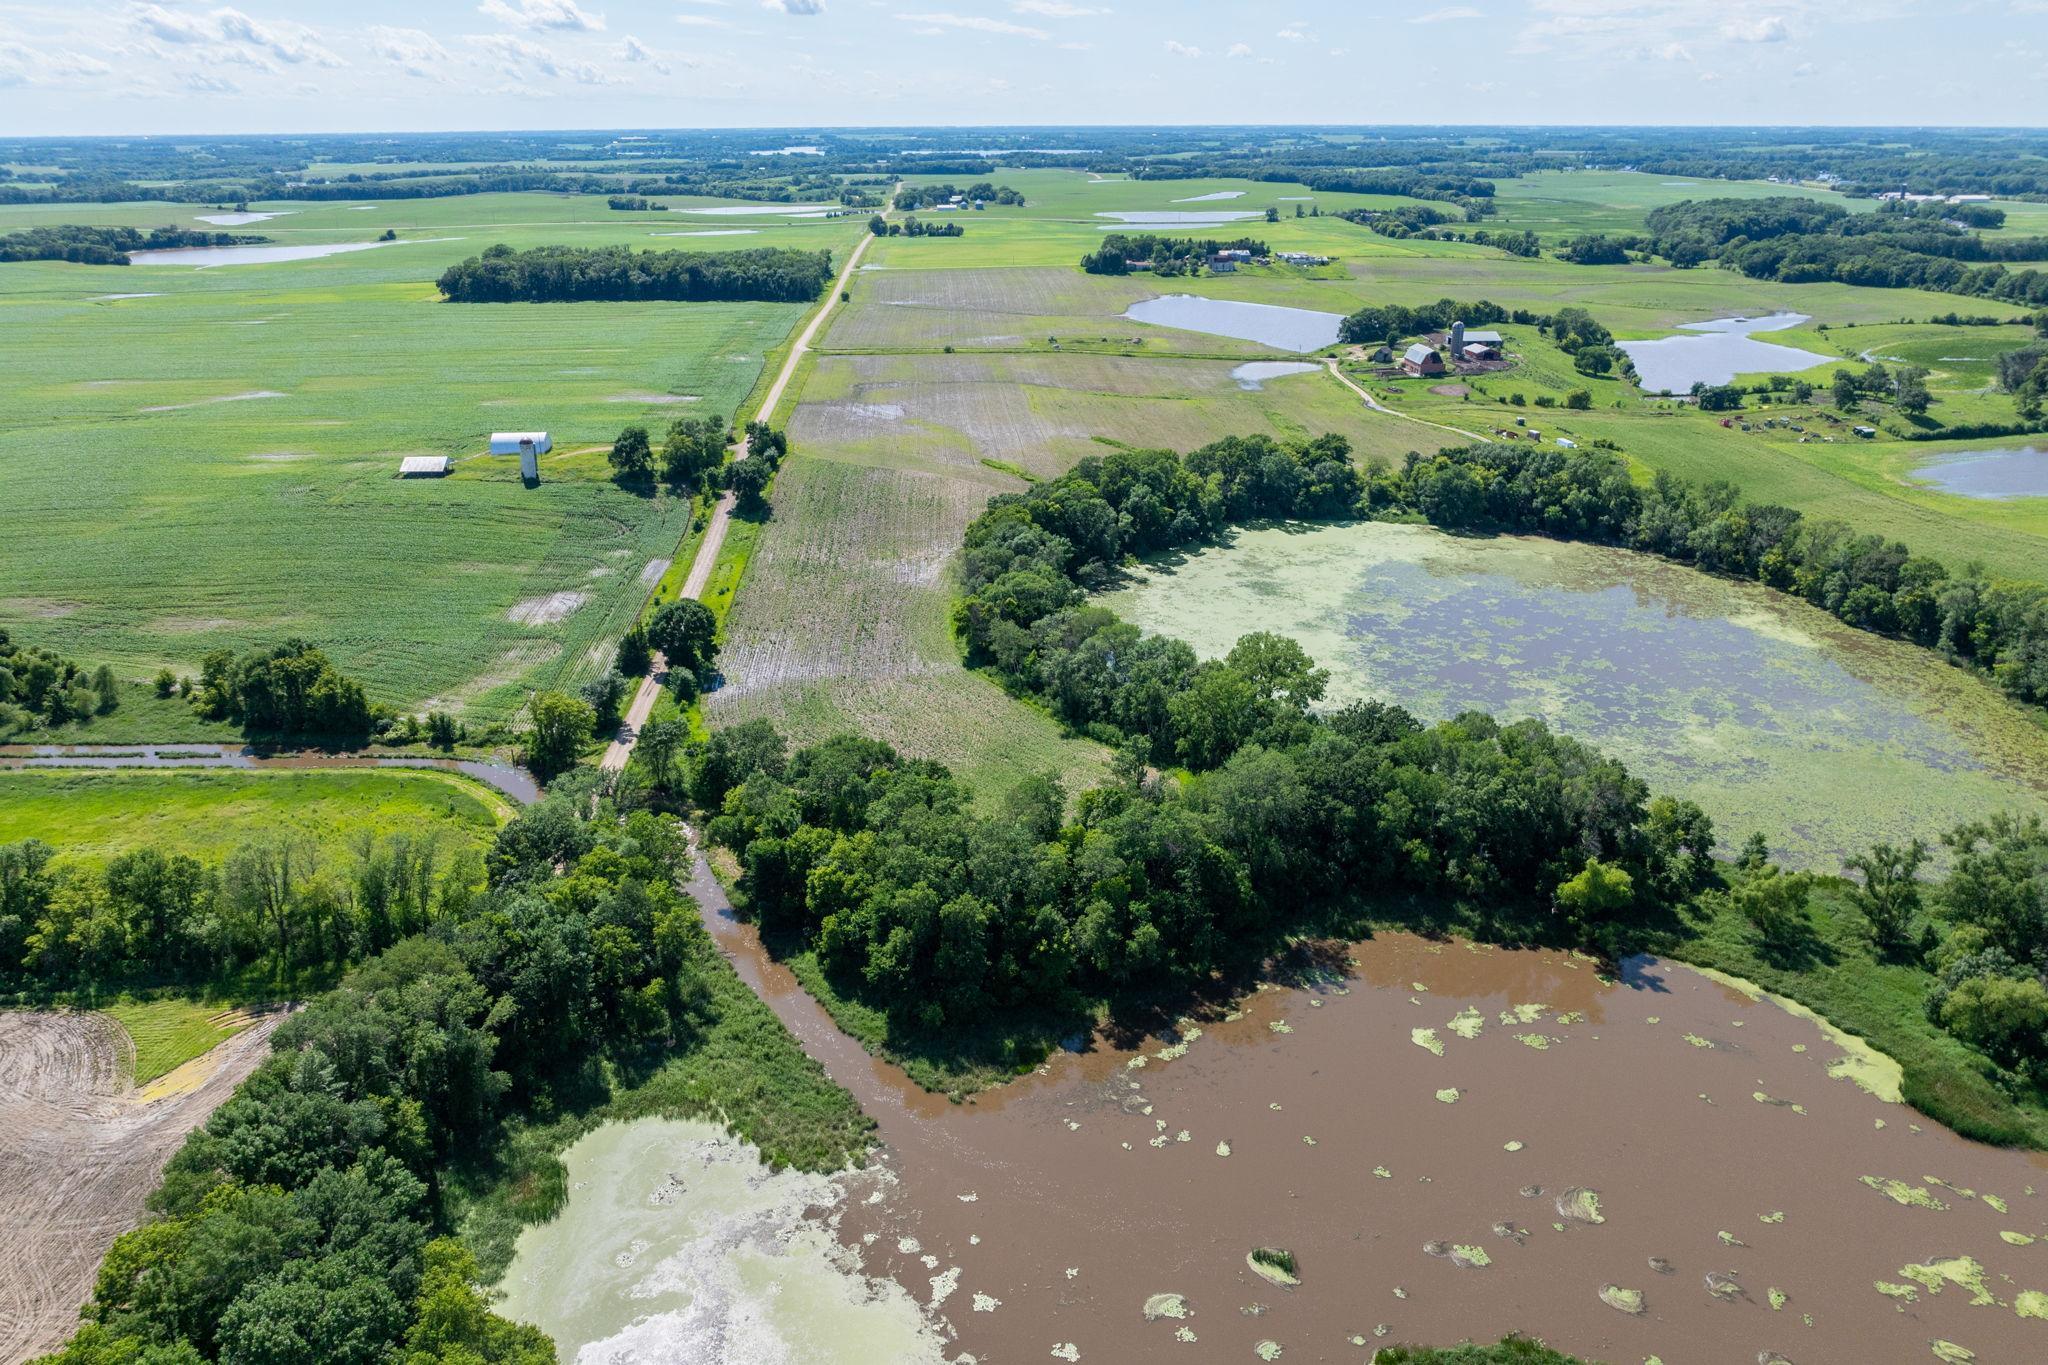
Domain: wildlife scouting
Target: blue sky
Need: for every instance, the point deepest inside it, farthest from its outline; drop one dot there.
(164, 66)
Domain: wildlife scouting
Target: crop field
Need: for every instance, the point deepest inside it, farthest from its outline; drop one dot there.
(206, 814)
(842, 621)
(239, 430)
(80, 1149)
(168, 1032)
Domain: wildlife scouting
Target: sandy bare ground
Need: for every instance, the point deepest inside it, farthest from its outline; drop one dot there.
(80, 1149)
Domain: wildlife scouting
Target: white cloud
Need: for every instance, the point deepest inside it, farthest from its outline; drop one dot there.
(521, 60)
(207, 84)
(1769, 28)
(1182, 49)
(24, 65)
(637, 52)
(233, 36)
(411, 50)
(1239, 50)
(977, 23)
(795, 6)
(1672, 52)
(1294, 33)
(1440, 16)
(564, 15)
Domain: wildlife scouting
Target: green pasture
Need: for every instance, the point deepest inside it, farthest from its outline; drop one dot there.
(1557, 204)
(170, 1031)
(208, 813)
(161, 509)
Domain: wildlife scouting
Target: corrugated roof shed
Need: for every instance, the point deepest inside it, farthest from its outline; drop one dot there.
(423, 464)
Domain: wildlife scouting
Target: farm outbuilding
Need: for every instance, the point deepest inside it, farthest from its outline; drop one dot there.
(1420, 360)
(512, 442)
(423, 466)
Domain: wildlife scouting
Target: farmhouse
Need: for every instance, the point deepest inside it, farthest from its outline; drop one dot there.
(1420, 360)
(1303, 258)
(513, 442)
(423, 466)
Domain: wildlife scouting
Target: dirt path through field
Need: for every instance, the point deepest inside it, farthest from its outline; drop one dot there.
(1377, 406)
(620, 751)
(80, 1149)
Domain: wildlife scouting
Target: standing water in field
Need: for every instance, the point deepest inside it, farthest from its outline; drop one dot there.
(1770, 713)
(1285, 329)
(2016, 472)
(679, 1245)
(1253, 374)
(1717, 352)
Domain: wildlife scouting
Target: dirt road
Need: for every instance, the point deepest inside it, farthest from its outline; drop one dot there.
(80, 1149)
(1377, 406)
(620, 750)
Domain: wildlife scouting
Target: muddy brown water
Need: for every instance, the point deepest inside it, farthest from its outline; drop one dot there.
(1069, 1197)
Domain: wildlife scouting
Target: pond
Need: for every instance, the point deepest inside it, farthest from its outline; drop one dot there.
(1770, 713)
(239, 219)
(1286, 329)
(205, 256)
(761, 210)
(680, 1244)
(1435, 1129)
(1211, 198)
(1169, 218)
(1717, 352)
(1253, 374)
(2015, 472)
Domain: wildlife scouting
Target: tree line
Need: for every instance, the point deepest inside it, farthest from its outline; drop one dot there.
(555, 274)
(104, 245)
(913, 227)
(981, 192)
(306, 1219)
(290, 691)
(1168, 255)
(40, 687)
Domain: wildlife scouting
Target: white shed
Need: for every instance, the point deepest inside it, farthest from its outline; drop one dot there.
(419, 466)
(513, 442)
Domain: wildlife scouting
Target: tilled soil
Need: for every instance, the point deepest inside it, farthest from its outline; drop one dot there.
(80, 1149)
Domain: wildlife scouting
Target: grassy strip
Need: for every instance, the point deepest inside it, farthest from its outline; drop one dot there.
(142, 717)
(742, 1069)
(1837, 976)
(169, 1032)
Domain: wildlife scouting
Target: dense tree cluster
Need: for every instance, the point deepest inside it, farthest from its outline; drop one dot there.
(558, 274)
(39, 687)
(635, 203)
(288, 691)
(913, 226)
(930, 196)
(1408, 220)
(104, 245)
(1166, 255)
(2024, 374)
(303, 1221)
(274, 905)
(1525, 244)
(1800, 240)
(1596, 248)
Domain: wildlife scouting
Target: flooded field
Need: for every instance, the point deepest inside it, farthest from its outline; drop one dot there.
(1286, 329)
(2017, 472)
(1750, 702)
(1450, 1140)
(247, 255)
(1715, 352)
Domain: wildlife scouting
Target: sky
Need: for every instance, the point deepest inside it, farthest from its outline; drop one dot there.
(291, 66)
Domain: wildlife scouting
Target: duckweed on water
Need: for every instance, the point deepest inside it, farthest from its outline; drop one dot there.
(1066, 1350)
(1778, 1297)
(2018, 1239)
(1267, 1350)
(1580, 1205)
(1383, 1173)
(1166, 1306)
(1274, 1264)
(1729, 1239)
(1662, 1266)
(1467, 1023)
(2031, 1303)
(1697, 1041)
(1904, 1293)
(1722, 1284)
(1774, 1216)
(1449, 1095)
(1965, 1272)
(1426, 1038)
(1535, 1040)
(1899, 1192)
(1950, 1353)
(1524, 1015)
(1995, 1202)
(1514, 1146)
(1622, 1300)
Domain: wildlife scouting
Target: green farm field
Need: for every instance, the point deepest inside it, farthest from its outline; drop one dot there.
(206, 814)
(213, 465)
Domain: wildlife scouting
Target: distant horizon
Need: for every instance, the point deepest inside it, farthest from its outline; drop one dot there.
(209, 69)
(780, 129)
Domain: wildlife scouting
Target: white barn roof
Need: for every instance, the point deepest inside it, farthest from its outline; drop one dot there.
(509, 442)
(1418, 353)
(423, 464)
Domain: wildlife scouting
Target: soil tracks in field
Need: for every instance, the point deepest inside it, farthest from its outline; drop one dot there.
(80, 1148)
